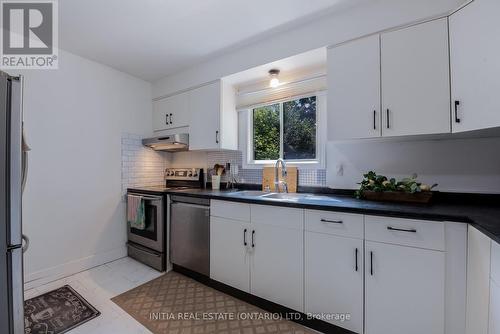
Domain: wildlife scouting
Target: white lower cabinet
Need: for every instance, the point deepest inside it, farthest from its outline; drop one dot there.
(334, 279)
(404, 290)
(229, 257)
(263, 256)
(277, 265)
(494, 326)
(478, 281)
(367, 274)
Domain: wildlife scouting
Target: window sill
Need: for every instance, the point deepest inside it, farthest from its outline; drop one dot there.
(299, 164)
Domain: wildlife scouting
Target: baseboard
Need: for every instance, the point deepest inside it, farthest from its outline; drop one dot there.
(45, 276)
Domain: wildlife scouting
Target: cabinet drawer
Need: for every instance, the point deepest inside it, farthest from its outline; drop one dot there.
(278, 216)
(230, 210)
(406, 232)
(343, 224)
(495, 262)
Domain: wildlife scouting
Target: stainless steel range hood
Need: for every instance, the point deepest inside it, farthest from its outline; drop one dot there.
(171, 143)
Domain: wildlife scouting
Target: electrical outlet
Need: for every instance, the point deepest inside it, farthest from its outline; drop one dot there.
(340, 170)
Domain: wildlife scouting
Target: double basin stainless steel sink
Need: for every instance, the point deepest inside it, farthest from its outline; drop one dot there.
(293, 197)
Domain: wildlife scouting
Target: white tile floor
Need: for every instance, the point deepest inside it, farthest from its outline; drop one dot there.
(97, 286)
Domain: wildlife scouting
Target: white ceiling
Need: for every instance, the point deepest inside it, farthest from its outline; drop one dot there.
(151, 39)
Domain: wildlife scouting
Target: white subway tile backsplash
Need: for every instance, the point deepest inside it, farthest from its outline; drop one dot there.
(141, 166)
(307, 177)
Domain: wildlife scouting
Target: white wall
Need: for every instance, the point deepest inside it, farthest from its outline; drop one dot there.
(329, 30)
(74, 117)
(459, 165)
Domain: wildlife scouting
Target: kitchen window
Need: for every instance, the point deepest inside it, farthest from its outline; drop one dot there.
(287, 129)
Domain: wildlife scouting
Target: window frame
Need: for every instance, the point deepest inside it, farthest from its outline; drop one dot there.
(318, 163)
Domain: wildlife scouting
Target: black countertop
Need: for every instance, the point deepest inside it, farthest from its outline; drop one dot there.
(485, 218)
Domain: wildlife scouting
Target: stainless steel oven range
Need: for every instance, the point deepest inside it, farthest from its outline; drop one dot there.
(149, 244)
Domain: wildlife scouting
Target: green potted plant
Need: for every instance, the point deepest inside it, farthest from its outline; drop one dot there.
(381, 188)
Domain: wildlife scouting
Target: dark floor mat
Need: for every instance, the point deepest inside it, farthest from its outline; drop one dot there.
(57, 311)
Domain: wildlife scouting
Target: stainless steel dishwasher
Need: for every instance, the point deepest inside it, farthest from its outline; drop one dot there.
(190, 233)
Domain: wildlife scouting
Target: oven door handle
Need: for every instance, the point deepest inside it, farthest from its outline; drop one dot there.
(198, 206)
(148, 198)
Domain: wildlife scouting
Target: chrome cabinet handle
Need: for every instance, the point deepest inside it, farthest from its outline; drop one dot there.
(323, 220)
(26, 244)
(411, 230)
(244, 237)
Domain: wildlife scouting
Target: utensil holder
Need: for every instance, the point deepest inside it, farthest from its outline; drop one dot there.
(215, 182)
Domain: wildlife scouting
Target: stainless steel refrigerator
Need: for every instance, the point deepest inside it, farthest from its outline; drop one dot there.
(13, 168)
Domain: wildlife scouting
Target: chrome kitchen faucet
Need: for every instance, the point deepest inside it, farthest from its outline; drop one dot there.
(277, 182)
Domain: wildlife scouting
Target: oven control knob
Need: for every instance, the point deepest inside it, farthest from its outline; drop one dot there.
(190, 174)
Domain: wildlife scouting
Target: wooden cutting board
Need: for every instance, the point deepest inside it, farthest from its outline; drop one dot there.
(291, 180)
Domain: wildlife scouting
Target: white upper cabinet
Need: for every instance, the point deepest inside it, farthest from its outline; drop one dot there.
(171, 112)
(393, 84)
(214, 121)
(475, 66)
(416, 80)
(205, 108)
(354, 89)
(209, 112)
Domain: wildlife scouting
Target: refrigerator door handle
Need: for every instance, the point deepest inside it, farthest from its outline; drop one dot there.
(26, 243)
(26, 149)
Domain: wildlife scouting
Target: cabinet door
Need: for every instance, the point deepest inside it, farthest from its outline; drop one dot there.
(334, 279)
(475, 69)
(416, 80)
(205, 108)
(229, 258)
(404, 291)
(277, 265)
(478, 281)
(171, 112)
(354, 89)
(494, 327)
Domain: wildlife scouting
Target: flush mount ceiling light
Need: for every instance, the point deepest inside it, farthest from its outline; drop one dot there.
(274, 82)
